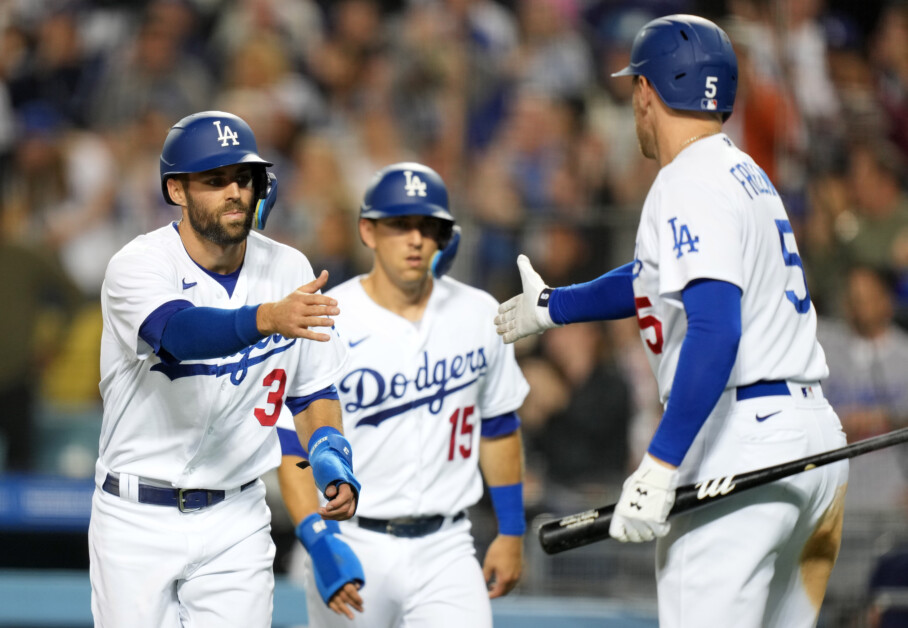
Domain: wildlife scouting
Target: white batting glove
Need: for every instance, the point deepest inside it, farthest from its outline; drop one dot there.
(646, 499)
(526, 313)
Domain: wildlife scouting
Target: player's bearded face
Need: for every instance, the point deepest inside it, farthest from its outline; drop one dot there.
(219, 220)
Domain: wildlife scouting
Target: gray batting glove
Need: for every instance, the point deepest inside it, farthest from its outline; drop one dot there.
(646, 499)
(528, 312)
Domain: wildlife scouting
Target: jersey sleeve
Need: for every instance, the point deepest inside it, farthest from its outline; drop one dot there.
(321, 363)
(505, 387)
(700, 237)
(136, 284)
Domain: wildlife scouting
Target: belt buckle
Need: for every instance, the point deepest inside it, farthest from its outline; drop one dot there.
(181, 500)
(402, 526)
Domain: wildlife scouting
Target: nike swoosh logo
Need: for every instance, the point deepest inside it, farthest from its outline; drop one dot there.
(187, 286)
(354, 343)
(760, 419)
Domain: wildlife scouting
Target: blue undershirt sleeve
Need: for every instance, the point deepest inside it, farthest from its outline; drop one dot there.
(500, 425)
(707, 356)
(200, 333)
(153, 327)
(609, 297)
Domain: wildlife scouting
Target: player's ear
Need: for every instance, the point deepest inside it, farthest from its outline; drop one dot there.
(367, 232)
(645, 88)
(177, 191)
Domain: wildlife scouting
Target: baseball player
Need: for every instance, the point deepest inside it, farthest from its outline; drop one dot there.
(208, 338)
(429, 399)
(718, 291)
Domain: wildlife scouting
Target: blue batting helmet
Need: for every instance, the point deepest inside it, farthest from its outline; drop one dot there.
(689, 61)
(411, 189)
(207, 140)
(406, 189)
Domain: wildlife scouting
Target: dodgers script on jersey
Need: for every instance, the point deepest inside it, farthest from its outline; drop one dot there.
(414, 395)
(695, 225)
(212, 420)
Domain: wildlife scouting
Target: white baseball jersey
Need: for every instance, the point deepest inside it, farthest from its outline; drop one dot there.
(200, 423)
(713, 214)
(730, 227)
(413, 397)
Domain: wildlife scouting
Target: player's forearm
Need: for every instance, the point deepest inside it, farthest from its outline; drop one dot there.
(319, 413)
(297, 488)
(609, 297)
(501, 459)
(330, 456)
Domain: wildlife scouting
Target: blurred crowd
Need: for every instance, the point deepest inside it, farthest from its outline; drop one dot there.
(512, 102)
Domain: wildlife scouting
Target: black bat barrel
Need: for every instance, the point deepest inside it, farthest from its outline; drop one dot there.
(576, 530)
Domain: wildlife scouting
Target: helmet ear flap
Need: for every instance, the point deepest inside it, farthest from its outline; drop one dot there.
(265, 185)
(444, 259)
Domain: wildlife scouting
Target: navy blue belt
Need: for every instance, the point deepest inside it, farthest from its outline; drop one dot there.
(409, 527)
(763, 388)
(186, 499)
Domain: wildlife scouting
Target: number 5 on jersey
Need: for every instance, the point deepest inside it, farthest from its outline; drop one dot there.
(649, 321)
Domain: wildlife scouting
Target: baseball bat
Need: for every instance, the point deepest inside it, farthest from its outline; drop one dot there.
(590, 526)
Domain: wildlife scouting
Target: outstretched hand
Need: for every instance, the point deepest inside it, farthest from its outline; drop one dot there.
(292, 316)
(526, 313)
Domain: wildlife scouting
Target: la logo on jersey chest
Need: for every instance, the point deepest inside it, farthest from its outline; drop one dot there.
(226, 134)
(681, 234)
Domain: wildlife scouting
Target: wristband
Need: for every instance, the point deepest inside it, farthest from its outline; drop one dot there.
(331, 457)
(313, 528)
(333, 562)
(543, 314)
(508, 504)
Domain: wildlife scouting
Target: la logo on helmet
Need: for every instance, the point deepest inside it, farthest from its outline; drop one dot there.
(415, 186)
(226, 134)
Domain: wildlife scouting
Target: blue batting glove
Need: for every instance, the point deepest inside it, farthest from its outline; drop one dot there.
(333, 562)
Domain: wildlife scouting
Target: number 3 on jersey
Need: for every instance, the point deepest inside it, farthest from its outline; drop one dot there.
(275, 397)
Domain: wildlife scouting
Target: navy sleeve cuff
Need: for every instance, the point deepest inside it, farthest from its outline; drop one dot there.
(246, 327)
(500, 425)
(298, 404)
